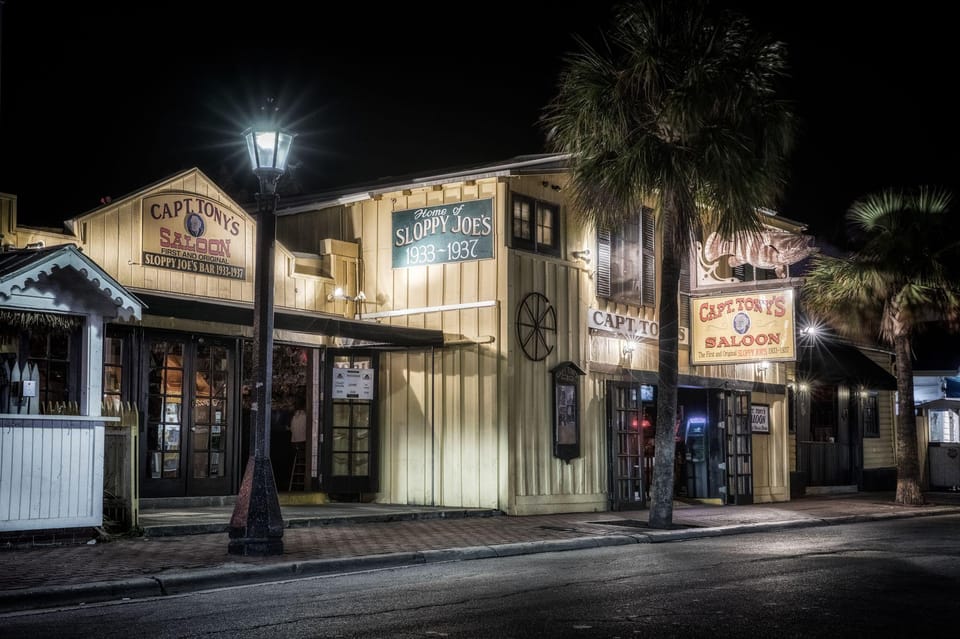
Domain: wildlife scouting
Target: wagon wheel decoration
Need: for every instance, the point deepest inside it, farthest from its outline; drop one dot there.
(536, 326)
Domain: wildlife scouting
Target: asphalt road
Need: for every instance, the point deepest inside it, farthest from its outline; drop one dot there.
(899, 578)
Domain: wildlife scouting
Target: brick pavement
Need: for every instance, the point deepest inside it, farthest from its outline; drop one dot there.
(120, 558)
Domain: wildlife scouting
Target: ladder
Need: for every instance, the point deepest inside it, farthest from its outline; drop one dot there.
(299, 470)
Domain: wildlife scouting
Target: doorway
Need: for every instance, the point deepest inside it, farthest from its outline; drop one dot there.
(350, 434)
(190, 421)
(735, 408)
(632, 417)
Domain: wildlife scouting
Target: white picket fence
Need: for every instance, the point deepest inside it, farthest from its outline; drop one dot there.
(12, 378)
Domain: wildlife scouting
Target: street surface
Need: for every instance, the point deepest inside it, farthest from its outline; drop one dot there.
(899, 578)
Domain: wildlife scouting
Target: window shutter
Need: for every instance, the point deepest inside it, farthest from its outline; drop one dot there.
(603, 263)
(685, 288)
(648, 296)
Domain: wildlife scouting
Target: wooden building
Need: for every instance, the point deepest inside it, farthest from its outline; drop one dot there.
(457, 339)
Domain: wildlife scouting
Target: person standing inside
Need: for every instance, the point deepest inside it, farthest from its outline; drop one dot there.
(298, 435)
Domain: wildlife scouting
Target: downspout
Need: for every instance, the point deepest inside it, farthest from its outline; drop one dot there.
(433, 430)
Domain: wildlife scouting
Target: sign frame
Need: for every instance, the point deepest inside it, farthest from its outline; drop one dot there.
(743, 327)
(448, 233)
(760, 418)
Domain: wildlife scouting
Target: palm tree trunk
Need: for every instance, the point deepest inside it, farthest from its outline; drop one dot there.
(908, 461)
(661, 506)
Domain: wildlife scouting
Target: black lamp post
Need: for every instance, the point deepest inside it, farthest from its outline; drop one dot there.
(256, 527)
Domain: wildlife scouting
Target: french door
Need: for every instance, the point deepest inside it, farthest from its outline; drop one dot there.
(630, 429)
(735, 405)
(350, 435)
(190, 418)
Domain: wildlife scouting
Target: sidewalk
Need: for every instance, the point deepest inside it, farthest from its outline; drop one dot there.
(324, 539)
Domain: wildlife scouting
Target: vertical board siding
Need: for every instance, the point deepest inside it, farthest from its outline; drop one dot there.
(51, 473)
(112, 238)
(537, 472)
(439, 417)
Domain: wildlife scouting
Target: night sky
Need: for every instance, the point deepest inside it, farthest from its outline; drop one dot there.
(101, 99)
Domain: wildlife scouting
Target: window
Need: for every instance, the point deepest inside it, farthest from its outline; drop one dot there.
(944, 426)
(113, 372)
(870, 426)
(626, 270)
(823, 413)
(49, 352)
(750, 273)
(535, 225)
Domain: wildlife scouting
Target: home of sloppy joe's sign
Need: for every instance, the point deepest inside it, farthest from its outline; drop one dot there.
(190, 233)
(454, 232)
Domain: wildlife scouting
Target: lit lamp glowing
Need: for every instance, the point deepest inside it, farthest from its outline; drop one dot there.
(256, 527)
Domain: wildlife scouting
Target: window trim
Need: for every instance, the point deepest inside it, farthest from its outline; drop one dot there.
(533, 244)
(871, 428)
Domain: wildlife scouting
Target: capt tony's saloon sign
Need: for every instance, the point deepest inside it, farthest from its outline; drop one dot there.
(190, 233)
(743, 327)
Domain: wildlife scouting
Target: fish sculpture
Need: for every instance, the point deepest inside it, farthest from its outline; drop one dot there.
(768, 249)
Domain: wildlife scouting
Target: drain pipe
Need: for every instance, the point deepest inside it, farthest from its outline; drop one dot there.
(433, 429)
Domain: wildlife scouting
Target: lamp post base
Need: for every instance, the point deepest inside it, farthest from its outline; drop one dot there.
(256, 527)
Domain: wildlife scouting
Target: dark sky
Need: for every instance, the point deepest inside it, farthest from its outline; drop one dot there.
(102, 98)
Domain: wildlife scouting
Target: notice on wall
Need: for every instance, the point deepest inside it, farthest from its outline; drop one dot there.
(454, 232)
(194, 234)
(760, 418)
(352, 383)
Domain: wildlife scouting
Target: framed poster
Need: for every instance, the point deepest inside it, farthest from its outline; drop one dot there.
(760, 418)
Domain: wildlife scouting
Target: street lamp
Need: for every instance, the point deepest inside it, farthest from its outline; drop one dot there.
(256, 527)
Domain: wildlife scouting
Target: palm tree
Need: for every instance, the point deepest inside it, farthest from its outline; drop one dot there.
(897, 281)
(678, 107)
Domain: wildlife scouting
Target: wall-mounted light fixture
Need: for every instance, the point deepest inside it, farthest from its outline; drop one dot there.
(583, 256)
(359, 299)
(762, 367)
(338, 294)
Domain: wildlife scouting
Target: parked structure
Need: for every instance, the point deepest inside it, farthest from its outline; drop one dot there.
(936, 381)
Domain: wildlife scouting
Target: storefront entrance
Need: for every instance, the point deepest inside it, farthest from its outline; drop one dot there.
(713, 437)
(631, 410)
(190, 418)
(349, 451)
(735, 410)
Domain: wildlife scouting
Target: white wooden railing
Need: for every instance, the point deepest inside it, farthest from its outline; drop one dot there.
(51, 471)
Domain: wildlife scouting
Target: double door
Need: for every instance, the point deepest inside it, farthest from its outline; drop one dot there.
(726, 447)
(191, 425)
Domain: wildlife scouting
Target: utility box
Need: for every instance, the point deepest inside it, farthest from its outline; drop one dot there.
(944, 462)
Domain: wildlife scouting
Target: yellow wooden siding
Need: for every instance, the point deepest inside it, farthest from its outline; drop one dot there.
(880, 452)
(440, 417)
(770, 467)
(542, 481)
(111, 236)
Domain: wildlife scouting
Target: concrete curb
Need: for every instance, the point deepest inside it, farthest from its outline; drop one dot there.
(233, 574)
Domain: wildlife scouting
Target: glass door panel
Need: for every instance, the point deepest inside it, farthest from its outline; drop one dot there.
(209, 412)
(350, 439)
(739, 449)
(631, 452)
(188, 431)
(164, 409)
